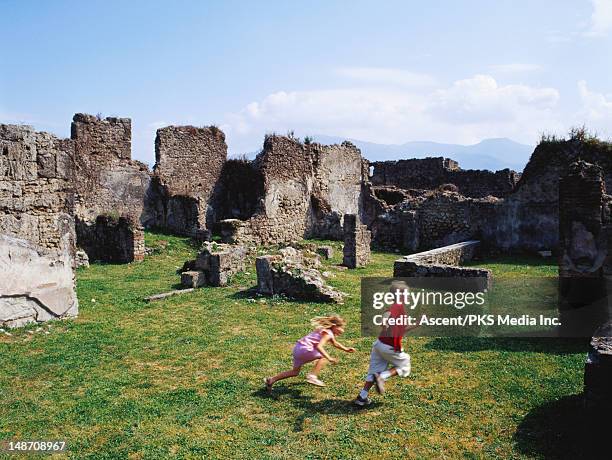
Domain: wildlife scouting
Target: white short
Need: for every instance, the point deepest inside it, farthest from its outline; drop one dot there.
(384, 355)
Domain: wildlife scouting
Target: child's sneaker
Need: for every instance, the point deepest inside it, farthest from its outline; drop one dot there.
(268, 385)
(362, 402)
(314, 380)
(379, 383)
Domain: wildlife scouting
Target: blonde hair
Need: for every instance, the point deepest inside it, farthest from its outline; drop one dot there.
(398, 285)
(327, 322)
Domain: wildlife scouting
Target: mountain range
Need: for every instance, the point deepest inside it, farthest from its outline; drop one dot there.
(491, 154)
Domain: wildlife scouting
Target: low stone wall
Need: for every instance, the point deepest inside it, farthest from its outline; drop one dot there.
(441, 262)
(37, 284)
(109, 239)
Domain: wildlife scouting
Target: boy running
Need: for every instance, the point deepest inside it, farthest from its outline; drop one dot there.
(387, 351)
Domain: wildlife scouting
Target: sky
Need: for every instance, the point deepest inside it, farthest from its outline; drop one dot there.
(386, 71)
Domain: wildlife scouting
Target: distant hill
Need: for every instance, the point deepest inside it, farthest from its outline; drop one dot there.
(492, 154)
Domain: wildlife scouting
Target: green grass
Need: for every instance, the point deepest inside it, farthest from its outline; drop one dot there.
(181, 378)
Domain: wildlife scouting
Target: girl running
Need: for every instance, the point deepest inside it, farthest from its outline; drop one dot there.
(312, 348)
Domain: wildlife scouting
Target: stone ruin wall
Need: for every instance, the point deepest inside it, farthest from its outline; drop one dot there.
(294, 190)
(36, 195)
(37, 241)
(340, 172)
(526, 219)
(422, 220)
(287, 170)
(585, 256)
(307, 188)
(431, 173)
(188, 166)
(584, 224)
(107, 180)
(109, 183)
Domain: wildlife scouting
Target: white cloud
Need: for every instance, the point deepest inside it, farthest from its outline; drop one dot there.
(596, 112)
(481, 100)
(464, 112)
(514, 68)
(601, 18)
(385, 75)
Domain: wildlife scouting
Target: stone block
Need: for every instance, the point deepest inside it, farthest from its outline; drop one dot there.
(220, 262)
(282, 276)
(357, 239)
(265, 282)
(193, 279)
(37, 285)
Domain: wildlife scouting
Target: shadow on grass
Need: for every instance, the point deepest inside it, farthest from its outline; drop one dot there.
(517, 259)
(251, 293)
(248, 293)
(552, 345)
(311, 408)
(563, 429)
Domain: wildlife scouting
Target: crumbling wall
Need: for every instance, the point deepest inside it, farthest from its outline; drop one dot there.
(339, 174)
(446, 218)
(422, 220)
(528, 219)
(37, 241)
(109, 183)
(107, 180)
(431, 173)
(306, 190)
(583, 229)
(585, 243)
(188, 165)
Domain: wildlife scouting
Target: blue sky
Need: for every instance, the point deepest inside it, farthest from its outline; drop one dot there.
(386, 72)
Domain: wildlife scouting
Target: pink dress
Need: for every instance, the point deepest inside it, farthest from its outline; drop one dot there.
(305, 349)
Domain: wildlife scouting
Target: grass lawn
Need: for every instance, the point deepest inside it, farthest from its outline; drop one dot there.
(181, 378)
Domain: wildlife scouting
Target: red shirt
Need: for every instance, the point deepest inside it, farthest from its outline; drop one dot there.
(392, 335)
